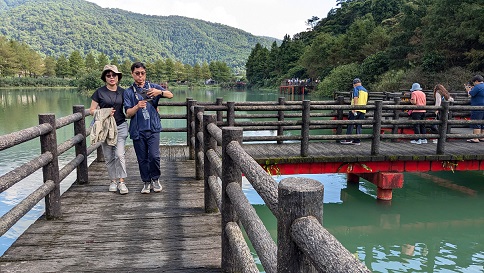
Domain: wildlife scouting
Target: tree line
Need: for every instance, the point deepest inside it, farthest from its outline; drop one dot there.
(56, 28)
(20, 61)
(389, 44)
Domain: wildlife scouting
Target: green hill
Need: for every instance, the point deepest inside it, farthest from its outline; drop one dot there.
(59, 27)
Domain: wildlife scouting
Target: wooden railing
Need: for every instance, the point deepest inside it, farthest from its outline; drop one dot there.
(296, 203)
(48, 161)
(387, 119)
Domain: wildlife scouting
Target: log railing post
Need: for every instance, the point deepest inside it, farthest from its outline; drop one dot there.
(230, 113)
(305, 127)
(377, 120)
(208, 143)
(450, 116)
(231, 173)
(190, 130)
(99, 154)
(297, 197)
(81, 147)
(339, 115)
(444, 118)
(48, 144)
(198, 142)
(280, 117)
(396, 116)
(220, 114)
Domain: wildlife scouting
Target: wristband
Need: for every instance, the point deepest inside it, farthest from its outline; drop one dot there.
(161, 93)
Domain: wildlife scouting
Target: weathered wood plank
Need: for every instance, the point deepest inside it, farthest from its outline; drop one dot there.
(107, 232)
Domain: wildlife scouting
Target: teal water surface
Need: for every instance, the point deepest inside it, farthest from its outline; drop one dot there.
(435, 223)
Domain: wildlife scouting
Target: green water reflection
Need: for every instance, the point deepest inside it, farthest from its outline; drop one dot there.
(435, 223)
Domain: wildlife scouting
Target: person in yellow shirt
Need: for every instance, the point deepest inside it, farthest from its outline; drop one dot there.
(359, 97)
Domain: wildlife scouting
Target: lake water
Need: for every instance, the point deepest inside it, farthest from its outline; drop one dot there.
(435, 223)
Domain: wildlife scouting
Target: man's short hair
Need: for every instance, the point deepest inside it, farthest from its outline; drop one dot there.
(478, 78)
(137, 65)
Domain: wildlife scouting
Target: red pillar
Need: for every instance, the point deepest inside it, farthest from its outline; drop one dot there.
(352, 178)
(385, 182)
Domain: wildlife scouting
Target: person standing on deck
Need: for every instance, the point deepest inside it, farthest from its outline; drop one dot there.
(418, 98)
(141, 102)
(359, 97)
(107, 102)
(477, 99)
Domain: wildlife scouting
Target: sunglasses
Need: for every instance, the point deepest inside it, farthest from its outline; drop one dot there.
(111, 75)
(142, 73)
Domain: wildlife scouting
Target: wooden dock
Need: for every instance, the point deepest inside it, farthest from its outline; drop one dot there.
(101, 231)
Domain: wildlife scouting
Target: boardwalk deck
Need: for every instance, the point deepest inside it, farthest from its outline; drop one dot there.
(102, 231)
(168, 232)
(389, 151)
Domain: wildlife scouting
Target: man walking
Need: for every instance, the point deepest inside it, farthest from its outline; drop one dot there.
(359, 97)
(140, 103)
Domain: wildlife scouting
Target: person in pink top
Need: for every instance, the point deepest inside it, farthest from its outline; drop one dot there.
(418, 98)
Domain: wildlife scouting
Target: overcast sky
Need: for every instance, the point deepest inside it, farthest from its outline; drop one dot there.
(273, 18)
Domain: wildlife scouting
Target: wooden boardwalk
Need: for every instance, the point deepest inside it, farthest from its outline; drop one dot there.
(331, 151)
(101, 231)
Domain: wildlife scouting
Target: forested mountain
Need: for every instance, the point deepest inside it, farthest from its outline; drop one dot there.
(389, 44)
(58, 27)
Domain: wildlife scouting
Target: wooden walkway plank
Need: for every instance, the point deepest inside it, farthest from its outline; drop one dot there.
(389, 151)
(107, 232)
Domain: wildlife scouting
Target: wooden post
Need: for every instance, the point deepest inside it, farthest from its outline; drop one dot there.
(450, 116)
(231, 173)
(198, 143)
(230, 113)
(99, 154)
(339, 115)
(208, 143)
(305, 127)
(298, 197)
(396, 116)
(280, 117)
(377, 119)
(81, 148)
(444, 118)
(190, 131)
(220, 114)
(48, 144)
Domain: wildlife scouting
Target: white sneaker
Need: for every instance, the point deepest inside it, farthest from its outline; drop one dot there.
(346, 142)
(416, 142)
(146, 187)
(423, 141)
(122, 188)
(156, 186)
(113, 187)
(435, 141)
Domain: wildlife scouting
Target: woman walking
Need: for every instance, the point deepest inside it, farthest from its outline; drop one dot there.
(111, 126)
